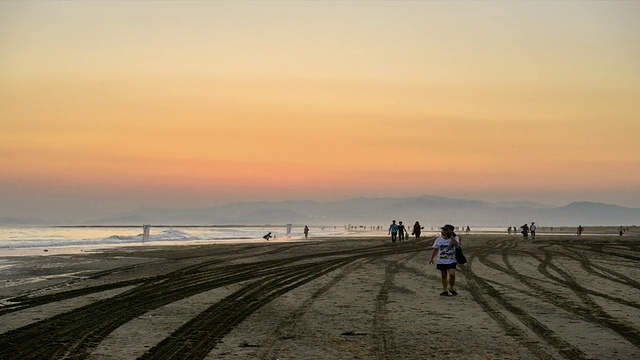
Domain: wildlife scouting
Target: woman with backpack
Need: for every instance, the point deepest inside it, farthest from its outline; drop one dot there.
(445, 247)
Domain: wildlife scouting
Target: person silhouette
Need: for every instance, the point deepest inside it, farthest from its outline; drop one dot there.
(393, 231)
(525, 231)
(401, 231)
(533, 228)
(417, 229)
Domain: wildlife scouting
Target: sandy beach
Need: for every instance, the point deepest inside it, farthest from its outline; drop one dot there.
(558, 297)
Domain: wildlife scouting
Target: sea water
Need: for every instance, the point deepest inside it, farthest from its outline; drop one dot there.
(30, 240)
(15, 238)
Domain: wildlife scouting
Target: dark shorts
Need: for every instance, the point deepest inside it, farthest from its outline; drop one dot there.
(445, 267)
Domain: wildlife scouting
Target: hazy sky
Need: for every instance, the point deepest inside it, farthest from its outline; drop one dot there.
(106, 106)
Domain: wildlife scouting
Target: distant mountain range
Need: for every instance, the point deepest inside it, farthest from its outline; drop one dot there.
(429, 210)
(4, 221)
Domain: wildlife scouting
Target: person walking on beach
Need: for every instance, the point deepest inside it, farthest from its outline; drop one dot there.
(525, 231)
(306, 232)
(533, 228)
(580, 229)
(445, 247)
(509, 230)
(393, 231)
(417, 229)
(401, 231)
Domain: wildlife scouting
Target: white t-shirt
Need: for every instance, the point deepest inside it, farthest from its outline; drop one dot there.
(533, 227)
(446, 250)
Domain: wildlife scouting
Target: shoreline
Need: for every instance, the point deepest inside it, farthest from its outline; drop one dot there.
(96, 245)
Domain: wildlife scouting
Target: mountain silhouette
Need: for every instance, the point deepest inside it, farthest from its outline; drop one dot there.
(429, 210)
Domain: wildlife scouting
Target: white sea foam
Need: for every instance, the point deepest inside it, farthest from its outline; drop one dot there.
(16, 241)
(57, 240)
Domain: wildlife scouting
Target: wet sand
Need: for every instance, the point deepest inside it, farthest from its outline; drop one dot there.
(558, 297)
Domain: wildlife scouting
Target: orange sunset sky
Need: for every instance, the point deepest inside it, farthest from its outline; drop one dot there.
(106, 106)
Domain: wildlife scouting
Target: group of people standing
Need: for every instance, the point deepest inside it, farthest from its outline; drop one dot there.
(398, 231)
(526, 229)
(531, 229)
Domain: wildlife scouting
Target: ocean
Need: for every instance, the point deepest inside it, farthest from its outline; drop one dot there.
(15, 238)
(29, 240)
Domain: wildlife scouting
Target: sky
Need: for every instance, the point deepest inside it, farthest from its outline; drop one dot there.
(108, 106)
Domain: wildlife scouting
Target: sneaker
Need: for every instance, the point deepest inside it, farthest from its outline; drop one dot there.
(444, 293)
(453, 292)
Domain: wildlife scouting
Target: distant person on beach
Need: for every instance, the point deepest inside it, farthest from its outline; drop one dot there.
(445, 248)
(468, 229)
(417, 229)
(533, 228)
(268, 236)
(393, 231)
(525, 231)
(580, 229)
(306, 232)
(620, 230)
(146, 230)
(401, 231)
(509, 230)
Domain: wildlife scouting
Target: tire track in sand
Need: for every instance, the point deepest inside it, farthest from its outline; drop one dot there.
(502, 310)
(384, 341)
(271, 346)
(199, 336)
(73, 334)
